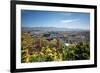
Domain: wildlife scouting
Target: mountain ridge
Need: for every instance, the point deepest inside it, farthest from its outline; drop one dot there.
(51, 29)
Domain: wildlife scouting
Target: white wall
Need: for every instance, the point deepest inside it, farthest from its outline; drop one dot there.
(5, 37)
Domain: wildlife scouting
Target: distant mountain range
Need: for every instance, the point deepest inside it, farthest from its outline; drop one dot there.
(50, 29)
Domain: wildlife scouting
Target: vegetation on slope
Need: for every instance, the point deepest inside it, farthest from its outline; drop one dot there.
(41, 50)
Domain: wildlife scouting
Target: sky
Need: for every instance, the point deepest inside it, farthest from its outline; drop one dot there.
(74, 20)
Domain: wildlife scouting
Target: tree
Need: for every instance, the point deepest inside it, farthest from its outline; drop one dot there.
(26, 44)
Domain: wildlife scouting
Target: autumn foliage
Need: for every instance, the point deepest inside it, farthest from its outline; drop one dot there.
(42, 50)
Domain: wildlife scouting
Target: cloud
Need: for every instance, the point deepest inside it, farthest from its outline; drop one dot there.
(69, 21)
(68, 14)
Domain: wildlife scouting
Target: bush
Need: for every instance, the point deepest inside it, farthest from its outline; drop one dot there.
(53, 50)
